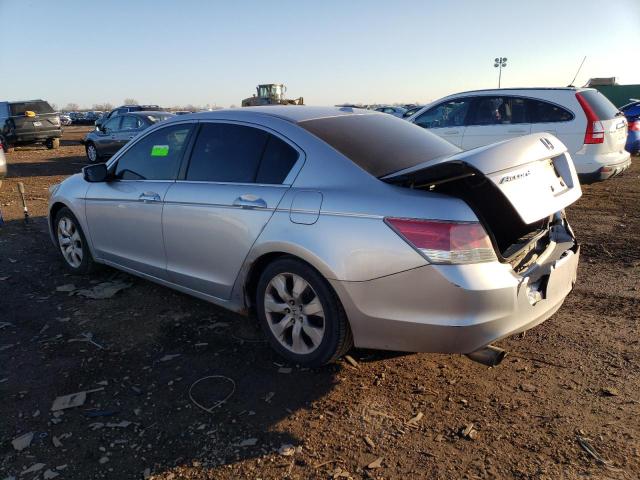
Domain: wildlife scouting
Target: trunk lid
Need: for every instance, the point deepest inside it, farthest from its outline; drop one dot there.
(534, 174)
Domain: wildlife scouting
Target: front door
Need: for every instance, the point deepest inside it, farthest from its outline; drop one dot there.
(125, 213)
(106, 138)
(446, 119)
(211, 219)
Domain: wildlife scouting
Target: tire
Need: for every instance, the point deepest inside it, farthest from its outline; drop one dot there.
(52, 143)
(80, 261)
(317, 330)
(92, 153)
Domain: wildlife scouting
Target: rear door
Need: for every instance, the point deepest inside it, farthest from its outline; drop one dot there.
(234, 180)
(493, 119)
(447, 119)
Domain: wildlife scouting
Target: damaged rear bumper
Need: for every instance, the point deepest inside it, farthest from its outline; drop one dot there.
(456, 308)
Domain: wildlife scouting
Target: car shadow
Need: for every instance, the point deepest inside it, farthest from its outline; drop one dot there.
(159, 359)
(56, 166)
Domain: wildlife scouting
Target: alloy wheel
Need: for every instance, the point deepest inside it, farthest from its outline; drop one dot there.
(294, 313)
(70, 242)
(92, 153)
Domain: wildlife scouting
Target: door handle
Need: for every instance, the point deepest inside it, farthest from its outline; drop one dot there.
(149, 197)
(249, 201)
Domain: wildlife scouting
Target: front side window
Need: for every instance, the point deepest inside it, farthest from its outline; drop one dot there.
(156, 156)
(226, 153)
(448, 114)
(113, 125)
(545, 112)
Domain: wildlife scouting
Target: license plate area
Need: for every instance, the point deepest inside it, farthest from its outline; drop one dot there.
(37, 124)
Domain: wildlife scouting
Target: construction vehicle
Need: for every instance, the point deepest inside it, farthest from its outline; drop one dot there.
(270, 94)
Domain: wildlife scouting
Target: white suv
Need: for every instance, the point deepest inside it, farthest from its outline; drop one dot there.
(591, 127)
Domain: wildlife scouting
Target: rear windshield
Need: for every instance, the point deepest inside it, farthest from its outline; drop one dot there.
(378, 143)
(603, 108)
(19, 108)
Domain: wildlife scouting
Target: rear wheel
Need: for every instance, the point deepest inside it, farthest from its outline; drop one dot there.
(301, 315)
(52, 143)
(72, 243)
(92, 153)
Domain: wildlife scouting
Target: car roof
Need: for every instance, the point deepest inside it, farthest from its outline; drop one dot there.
(521, 89)
(145, 113)
(290, 113)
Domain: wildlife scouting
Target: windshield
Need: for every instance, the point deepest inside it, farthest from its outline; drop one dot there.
(19, 108)
(380, 144)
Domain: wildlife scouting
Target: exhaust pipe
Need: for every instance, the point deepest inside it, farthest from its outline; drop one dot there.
(490, 356)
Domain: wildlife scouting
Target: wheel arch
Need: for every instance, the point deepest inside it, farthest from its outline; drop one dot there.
(259, 264)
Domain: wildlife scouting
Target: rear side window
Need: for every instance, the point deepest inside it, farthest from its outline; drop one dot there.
(129, 122)
(226, 153)
(498, 111)
(603, 108)
(19, 108)
(545, 112)
(277, 161)
(156, 156)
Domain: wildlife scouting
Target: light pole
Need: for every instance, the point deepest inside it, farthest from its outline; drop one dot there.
(499, 63)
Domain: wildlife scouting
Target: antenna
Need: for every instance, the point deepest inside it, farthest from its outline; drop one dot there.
(579, 68)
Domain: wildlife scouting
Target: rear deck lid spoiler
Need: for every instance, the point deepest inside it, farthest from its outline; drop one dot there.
(534, 172)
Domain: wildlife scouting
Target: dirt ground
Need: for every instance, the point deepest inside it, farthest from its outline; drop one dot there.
(577, 376)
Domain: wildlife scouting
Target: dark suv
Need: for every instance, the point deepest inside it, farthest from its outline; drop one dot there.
(126, 109)
(29, 121)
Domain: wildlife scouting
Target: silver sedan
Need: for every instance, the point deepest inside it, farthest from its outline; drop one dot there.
(334, 227)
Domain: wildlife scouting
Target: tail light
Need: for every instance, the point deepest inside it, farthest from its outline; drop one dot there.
(634, 126)
(595, 128)
(445, 242)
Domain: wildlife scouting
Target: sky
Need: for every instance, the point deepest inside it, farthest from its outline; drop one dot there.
(179, 52)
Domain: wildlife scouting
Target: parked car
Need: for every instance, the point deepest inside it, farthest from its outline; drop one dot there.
(632, 114)
(126, 109)
(412, 111)
(27, 122)
(111, 136)
(395, 111)
(65, 120)
(591, 127)
(335, 226)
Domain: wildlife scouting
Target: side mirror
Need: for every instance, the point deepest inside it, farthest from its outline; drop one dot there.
(95, 173)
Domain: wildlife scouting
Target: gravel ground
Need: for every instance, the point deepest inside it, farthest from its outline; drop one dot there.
(575, 378)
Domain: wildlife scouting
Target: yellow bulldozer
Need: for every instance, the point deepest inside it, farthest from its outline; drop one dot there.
(270, 94)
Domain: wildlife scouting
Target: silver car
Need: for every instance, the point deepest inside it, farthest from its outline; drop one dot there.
(334, 227)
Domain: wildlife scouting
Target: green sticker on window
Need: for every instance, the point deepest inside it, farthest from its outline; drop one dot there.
(160, 150)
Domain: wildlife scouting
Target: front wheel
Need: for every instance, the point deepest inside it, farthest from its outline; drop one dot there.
(52, 143)
(301, 315)
(72, 243)
(92, 153)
